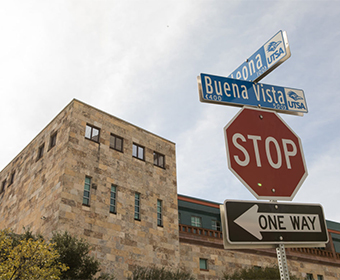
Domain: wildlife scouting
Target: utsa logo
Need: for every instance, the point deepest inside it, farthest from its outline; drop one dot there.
(295, 104)
(276, 52)
(272, 46)
(294, 96)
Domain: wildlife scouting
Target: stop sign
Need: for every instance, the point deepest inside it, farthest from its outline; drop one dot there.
(265, 154)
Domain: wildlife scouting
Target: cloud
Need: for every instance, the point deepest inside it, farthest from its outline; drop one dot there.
(139, 61)
(201, 154)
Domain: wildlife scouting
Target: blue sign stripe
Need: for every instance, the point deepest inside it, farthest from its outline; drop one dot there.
(227, 91)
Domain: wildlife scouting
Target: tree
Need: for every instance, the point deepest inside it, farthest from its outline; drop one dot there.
(74, 253)
(28, 256)
(153, 273)
(23, 257)
(255, 273)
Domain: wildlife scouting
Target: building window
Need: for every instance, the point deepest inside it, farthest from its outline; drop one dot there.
(11, 181)
(116, 142)
(87, 187)
(137, 206)
(53, 140)
(320, 277)
(158, 159)
(92, 133)
(41, 151)
(203, 264)
(138, 151)
(196, 221)
(309, 276)
(159, 213)
(3, 185)
(216, 225)
(113, 198)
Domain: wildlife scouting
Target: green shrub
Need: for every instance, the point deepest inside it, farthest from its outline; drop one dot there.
(256, 273)
(154, 273)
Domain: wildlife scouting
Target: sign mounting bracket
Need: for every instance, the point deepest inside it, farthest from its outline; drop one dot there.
(282, 261)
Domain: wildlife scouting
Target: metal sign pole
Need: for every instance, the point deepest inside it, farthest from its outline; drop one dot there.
(282, 260)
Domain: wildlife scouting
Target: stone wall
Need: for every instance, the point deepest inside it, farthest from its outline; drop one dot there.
(32, 200)
(221, 261)
(47, 193)
(120, 241)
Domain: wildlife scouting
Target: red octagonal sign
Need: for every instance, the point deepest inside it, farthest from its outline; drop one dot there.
(265, 154)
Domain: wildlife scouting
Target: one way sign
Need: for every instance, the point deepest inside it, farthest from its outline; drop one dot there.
(274, 223)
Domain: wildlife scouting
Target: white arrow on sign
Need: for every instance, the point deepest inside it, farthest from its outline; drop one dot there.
(255, 222)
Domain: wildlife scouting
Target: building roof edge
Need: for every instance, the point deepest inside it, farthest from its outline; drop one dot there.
(106, 113)
(198, 201)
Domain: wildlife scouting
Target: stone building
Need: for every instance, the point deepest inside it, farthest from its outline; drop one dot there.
(113, 183)
(101, 178)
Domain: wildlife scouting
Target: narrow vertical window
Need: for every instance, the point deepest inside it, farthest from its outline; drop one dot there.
(87, 187)
(3, 185)
(203, 264)
(53, 140)
(216, 225)
(116, 142)
(11, 181)
(137, 206)
(158, 159)
(113, 198)
(41, 151)
(159, 213)
(309, 276)
(138, 151)
(92, 133)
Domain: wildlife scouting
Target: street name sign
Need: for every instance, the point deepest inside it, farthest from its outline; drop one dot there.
(228, 91)
(265, 154)
(249, 222)
(265, 59)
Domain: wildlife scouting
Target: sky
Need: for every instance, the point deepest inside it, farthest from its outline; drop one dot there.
(139, 61)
